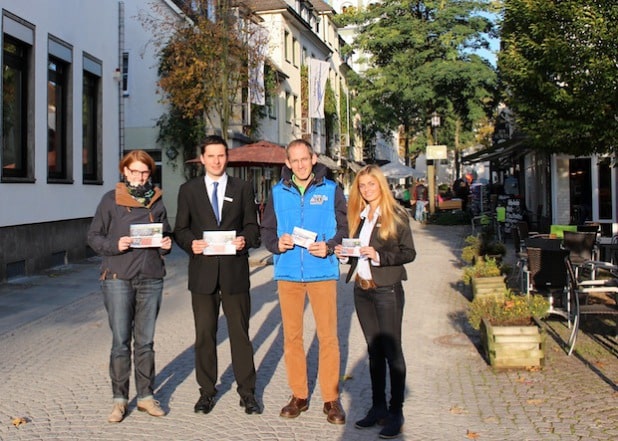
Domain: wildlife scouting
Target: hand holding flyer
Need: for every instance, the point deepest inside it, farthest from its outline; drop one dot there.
(302, 237)
(146, 235)
(219, 243)
(350, 247)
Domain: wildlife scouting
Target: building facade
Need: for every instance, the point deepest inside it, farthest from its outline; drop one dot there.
(60, 128)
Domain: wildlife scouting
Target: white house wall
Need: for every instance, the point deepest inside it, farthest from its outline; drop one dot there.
(561, 199)
(90, 26)
(142, 103)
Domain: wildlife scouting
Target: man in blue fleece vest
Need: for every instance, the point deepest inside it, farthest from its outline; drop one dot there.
(303, 221)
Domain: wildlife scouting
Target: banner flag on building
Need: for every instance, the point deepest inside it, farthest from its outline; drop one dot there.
(257, 92)
(318, 74)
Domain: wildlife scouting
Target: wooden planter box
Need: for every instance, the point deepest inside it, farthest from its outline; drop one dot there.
(513, 346)
(488, 286)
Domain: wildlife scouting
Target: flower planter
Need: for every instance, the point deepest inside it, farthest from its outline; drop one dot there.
(513, 346)
(488, 286)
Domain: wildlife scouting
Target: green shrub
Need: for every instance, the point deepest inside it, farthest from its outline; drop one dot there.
(487, 267)
(512, 310)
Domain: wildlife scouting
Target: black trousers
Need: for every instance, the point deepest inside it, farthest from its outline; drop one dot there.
(237, 310)
(380, 313)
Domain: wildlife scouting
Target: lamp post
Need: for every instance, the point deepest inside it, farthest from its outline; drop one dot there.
(431, 176)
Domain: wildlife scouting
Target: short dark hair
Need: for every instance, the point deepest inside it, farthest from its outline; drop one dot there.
(213, 139)
(299, 141)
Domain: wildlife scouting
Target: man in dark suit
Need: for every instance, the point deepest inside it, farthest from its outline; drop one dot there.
(218, 202)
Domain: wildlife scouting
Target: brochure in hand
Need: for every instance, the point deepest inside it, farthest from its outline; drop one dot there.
(351, 247)
(219, 243)
(302, 237)
(146, 235)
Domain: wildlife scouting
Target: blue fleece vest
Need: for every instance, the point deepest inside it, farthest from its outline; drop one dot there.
(314, 211)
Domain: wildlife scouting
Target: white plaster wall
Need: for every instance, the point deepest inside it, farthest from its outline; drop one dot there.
(89, 26)
(561, 199)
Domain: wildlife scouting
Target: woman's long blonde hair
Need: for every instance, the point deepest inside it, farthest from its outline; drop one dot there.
(391, 213)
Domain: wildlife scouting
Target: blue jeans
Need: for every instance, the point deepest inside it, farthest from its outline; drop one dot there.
(420, 210)
(132, 309)
(380, 313)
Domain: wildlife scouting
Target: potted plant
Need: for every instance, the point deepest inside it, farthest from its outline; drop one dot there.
(485, 276)
(510, 330)
(472, 251)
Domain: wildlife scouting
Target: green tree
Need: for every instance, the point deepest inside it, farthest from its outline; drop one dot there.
(421, 60)
(559, 67)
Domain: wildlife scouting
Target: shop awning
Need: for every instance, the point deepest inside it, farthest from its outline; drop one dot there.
(396, 170)
(501, 153)
(354, 166)
(328, 162)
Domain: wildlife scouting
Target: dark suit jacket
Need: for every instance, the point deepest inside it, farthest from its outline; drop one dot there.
(195, 215)
(394, 253)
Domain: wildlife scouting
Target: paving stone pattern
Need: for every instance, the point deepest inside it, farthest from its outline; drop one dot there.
(55, 341)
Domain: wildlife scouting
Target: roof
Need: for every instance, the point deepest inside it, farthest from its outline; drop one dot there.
(258, 153)
(261, 152)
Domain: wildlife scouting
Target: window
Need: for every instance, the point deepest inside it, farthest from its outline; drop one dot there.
(125, 73)
(59, 151)
(91, 121)
(271, 104)
(294, 107)
(17, 154)
(604, 194)
(294, 52)
(289, 109)
(286, 45)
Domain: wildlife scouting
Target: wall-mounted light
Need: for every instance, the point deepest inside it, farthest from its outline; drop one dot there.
(117, 75)
(171, 153)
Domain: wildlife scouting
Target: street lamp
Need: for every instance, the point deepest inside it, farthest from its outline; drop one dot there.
(435, 123)
(431, 175)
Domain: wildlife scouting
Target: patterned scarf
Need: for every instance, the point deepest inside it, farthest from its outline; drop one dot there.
(141, 193)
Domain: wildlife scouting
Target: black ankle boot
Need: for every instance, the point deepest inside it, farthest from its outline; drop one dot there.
(376, 415)
(392, 426)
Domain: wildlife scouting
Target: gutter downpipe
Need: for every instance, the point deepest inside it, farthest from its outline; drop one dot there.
(121, 36)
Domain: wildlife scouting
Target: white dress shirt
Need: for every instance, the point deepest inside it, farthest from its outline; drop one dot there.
(363, 269)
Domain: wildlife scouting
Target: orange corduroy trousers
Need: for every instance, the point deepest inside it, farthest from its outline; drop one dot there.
(323, 301)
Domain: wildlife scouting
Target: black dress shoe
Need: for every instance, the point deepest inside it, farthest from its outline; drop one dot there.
(376, 415)
(204, 404)
(250, 404)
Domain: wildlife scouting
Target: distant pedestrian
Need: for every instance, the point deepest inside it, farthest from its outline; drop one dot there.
(215, 203)
(420, 196)
(304, 219)
(386, 244)
(132, 278)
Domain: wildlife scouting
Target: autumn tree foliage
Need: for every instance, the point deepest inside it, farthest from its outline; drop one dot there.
(206, 59)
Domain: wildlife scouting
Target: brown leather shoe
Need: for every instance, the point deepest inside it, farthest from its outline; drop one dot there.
(294, 407)
(334, 412)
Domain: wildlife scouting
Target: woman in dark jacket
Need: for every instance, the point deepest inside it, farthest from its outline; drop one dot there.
(386, 244)
(132, 274)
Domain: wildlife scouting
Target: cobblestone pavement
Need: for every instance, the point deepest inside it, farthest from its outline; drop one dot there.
(54, 346)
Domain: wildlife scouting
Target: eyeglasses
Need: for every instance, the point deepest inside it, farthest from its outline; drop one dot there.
(139, 173)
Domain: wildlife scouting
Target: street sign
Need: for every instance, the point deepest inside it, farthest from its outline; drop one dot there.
(436, 152)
